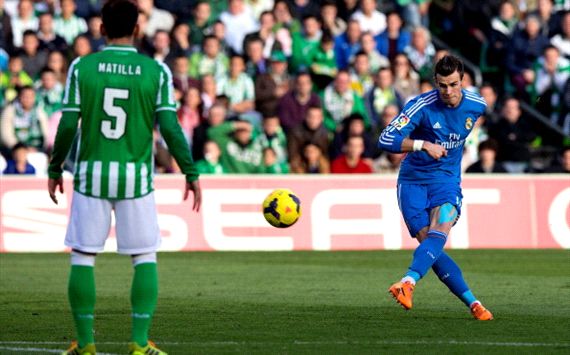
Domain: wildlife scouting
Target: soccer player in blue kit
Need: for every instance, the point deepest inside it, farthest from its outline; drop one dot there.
(432, 128)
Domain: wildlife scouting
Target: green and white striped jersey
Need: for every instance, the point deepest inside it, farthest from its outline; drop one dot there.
(117, 93)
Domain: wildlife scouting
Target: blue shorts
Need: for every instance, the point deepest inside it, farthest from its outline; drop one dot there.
(417, 200)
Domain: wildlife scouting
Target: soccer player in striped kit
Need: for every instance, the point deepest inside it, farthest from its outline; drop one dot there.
(118, 95)
(432, 129)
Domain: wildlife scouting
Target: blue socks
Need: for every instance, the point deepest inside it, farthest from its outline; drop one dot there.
(450, 274)
(426, 254)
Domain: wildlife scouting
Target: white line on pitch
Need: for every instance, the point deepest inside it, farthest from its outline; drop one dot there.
(38, 350)
(301, 342)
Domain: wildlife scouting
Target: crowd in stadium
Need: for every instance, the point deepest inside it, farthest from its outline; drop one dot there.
(299, 86)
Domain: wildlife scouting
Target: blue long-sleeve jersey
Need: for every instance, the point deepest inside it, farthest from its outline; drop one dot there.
(426, 117)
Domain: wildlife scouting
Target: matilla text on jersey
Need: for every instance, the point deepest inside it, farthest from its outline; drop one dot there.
(121, 69)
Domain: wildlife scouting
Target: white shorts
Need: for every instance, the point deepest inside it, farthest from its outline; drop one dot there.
(136, 224)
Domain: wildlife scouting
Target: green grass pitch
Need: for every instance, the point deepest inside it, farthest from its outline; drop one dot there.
(297, 303)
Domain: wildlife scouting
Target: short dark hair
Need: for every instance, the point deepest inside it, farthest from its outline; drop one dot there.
(448, 65)
(119, 18)
(489, 144)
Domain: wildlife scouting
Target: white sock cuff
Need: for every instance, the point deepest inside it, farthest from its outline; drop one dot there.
(82, 259)
(144, 258)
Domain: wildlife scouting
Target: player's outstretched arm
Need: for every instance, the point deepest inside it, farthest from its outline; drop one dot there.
(63, 140)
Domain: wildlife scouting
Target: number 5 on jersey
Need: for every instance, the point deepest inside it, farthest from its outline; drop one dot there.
(114, 111)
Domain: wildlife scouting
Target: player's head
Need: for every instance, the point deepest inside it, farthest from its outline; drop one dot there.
(119, 19)
(448, 76)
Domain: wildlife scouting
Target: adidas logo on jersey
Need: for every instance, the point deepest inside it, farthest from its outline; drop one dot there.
(437, 125)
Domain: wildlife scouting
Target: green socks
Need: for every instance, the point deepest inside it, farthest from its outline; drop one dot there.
(144, 294)
(81, 292)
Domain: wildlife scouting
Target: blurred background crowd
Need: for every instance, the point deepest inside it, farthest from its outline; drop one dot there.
(299, 86)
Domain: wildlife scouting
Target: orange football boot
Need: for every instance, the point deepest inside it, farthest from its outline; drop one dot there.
(402, 292)
(480, 313)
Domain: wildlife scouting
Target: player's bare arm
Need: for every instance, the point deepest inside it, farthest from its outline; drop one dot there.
(435, 151)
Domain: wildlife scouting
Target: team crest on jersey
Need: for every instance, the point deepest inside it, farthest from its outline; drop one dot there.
(401, 121)
(469, 123)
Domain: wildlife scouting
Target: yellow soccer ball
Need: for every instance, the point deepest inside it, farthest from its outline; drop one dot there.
(282, 208)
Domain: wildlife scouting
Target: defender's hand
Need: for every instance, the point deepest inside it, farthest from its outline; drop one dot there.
(52, 187)
(194, 186)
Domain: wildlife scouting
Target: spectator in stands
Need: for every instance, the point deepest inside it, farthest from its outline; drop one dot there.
(215, 117)
(292, 107)
(406, 80)
(421, 52)
(313, 161)
(256, 63)
(562, 40)
(24, 20)
(14, 79)
(181, 80)
(272, 136)
(67, 24)
(351, 161)
(330, 20)
(96, 39)
(311, 130)
(525, 47)
(81, 47)
(491, 111)
(239, 22)
(210, 61)
(257, 7)
(162, 50)
(180, 42)
(190, 112)
(353, 125)
(142, 42)
(24, 122)
(200, 24)
(305, 42)
(238, 87)
(552, 72)
(57, 62)
(361, 75)
(157, 19)
(549, 19)
(284, 18)
(564, 163)
(514, 136)
(340, 101)
(502, 28)
(368, 46)
(219, 31)
(381, 95)
(322, 63)
(487, 162)
(347, 44)
(241, 153)
(208, 92)
(414, 13)
(33, 58)
(394, 39)
(425, 86)
(48, 38)
(370, 19)
(265, 33)
(272, 86)
(19, 163)
(49, 92)
(6, 40)
(211, 162)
